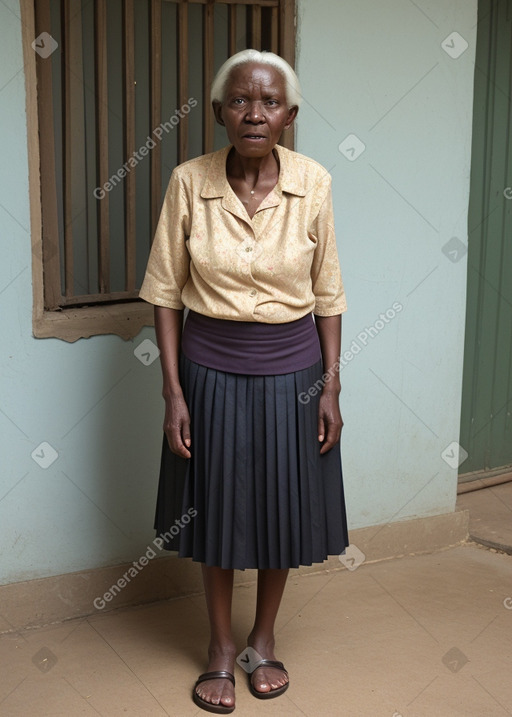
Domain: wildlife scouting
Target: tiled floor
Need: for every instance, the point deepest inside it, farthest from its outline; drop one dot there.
(423, 636)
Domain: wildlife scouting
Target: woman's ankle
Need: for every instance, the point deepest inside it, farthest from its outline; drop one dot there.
(261, 641)
(221, 649)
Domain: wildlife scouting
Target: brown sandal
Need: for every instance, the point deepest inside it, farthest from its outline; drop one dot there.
(209, 706)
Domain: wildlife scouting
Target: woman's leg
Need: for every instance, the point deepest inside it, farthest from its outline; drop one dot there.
(271, 585)
(218, 586)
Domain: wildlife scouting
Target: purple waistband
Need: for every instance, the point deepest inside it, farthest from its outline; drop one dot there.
(249, 347)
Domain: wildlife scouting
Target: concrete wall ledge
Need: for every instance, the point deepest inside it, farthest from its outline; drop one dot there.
(36, 603)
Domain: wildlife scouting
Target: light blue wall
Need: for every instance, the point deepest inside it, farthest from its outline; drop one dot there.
(396, 206)
(377, 70)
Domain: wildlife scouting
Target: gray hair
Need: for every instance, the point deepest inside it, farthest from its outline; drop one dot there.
(293, 91)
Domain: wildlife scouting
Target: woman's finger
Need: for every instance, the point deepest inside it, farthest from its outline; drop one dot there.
(176, 438)
(178, 447)
(321, 426)
(185, 434)
(333, 436)
(332, 429)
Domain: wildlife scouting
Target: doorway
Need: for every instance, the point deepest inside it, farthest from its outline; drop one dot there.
(486, 413)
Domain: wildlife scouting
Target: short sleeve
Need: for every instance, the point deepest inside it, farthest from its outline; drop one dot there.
(169, 261)
(326, 278)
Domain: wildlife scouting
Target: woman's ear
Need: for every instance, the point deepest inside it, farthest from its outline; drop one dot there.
(217, 111)
(292, 114)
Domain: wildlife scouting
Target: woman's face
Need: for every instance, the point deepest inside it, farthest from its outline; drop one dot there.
(254, 110)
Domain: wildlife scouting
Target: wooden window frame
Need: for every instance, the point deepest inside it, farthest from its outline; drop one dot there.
(125, 318)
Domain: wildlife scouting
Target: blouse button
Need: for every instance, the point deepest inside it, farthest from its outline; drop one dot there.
(252, 292)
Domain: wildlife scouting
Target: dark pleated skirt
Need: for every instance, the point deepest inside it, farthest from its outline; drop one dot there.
(256, 492)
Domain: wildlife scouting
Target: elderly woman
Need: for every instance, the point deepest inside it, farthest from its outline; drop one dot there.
(251, 471)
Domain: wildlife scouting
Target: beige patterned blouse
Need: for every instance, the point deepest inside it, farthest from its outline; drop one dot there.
(210, 256)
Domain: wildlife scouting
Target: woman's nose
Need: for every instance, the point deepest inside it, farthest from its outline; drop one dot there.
(254, 112)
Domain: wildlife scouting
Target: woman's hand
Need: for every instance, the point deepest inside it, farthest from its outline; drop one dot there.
(329, 416)
(177, 424)
(330, 422)
(168, 323)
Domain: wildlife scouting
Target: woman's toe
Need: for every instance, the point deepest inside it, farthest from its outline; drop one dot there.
(266, 681)
(261, 682)
(215, 696)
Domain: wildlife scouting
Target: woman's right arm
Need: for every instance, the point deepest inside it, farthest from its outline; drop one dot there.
(168, 326)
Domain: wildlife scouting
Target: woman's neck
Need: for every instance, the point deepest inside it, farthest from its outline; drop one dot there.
(249, 169)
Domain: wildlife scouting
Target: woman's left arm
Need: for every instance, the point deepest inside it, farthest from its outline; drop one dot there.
(330, 303)
(330, 422)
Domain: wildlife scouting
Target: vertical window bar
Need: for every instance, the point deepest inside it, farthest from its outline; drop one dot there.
(50, 221)
(129, 141)
(287, 51)
(274, 30)
(155, 34)
(100, 31)
(208, 61)
(255, 27)
(231, 30)
(287, 36)
(66, 149)
(182, 49)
